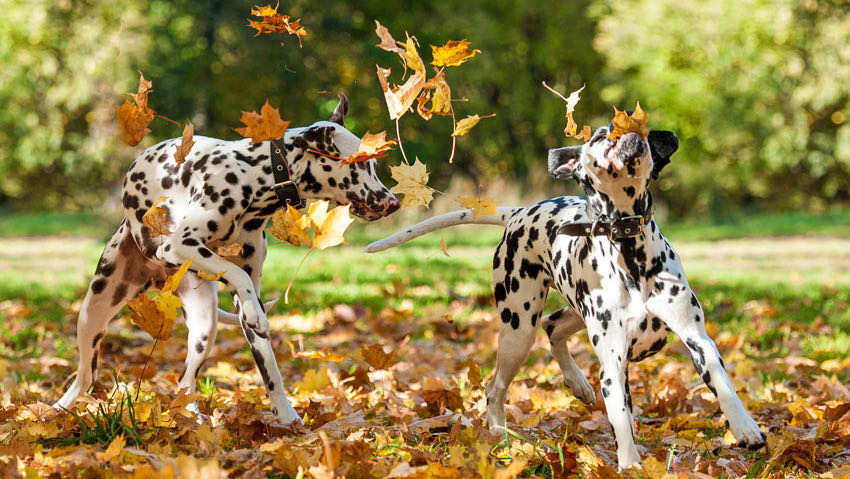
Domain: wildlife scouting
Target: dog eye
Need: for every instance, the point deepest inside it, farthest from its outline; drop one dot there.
(598, 136)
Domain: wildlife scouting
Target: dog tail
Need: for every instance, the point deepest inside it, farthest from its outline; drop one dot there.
(459, 217)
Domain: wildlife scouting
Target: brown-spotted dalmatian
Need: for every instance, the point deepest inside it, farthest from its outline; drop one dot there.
(614, 267)
(224, 192)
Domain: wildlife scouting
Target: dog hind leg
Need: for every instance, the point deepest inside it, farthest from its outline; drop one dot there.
(559, 326)
(200, 309)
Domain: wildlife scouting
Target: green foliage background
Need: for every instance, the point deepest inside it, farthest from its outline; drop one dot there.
(756, 90)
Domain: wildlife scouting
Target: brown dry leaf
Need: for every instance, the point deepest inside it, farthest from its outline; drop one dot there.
(474, 375)
(229, 250)
(479, 206)
(332, 228)
(114, 450)
(141, 96)
(463, 126)
(375, 356)
(371, 146)
(562, 463)
(263, 127)
(274, 22)
(157, 219)
(186, 144)
(438, 399)
(452, 54)
(290, 226)
(571, 130)
(134, 122)
(388, 43)
(400, 98)
(412, 183)
(444, 248)
(624, 123)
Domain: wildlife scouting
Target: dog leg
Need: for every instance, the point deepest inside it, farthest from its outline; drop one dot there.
(559, 326)
(200, 309)
(120, 274)
(679, 308)
(513, 348)
(183, 245)
(613, 378)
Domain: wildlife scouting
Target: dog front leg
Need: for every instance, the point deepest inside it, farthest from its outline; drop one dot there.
(679, 308)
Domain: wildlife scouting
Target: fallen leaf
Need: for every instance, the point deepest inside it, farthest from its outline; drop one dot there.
(313, 380)
(399, 98)
(625, 123)
(375, 356)
(474, 374)
(323, 355)
(452, 54)
(290, 226)
(412, 183)
(186, 144)
(463, 126)
(263, 127)
(113, 451)
(157, 219)
(479, 206)
(371, 146)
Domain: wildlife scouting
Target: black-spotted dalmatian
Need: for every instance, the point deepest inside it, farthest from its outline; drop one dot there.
(608, 258)
(224, 192)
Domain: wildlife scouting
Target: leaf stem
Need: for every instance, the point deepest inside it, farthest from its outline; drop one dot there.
(400, 144)
(157, 115)
(289, 286)
(554, 91)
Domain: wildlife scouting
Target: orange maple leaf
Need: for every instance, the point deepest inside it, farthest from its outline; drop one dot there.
(452, 54)
(273, 22)
(263, 127)
(186, 144)
(134, 118)
(624, 123)
(157, 219)
(371, 146)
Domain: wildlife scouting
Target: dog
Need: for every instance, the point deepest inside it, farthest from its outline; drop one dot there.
(607, 257)
(224, 192)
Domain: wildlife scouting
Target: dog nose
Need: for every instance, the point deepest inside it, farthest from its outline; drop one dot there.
(631, 145)
(392, 205)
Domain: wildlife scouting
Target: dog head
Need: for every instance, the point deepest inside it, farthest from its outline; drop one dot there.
(314, 154)
(614, 172)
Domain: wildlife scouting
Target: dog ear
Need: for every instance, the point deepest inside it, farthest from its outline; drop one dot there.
(662, 145)
(340, 111)
(563, 161)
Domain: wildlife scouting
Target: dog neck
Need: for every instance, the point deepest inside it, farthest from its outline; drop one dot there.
(602, 206)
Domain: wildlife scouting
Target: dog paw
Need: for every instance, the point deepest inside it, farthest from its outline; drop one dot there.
(581, 389)
(748, 434)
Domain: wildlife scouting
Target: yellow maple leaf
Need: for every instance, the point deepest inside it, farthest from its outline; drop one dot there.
(173, 281)
(317, 212)
(624, 123)
(452, 54)
(229, 250)
(186, 143)
(157, 219)
(290, 226)
(412, 183)
(263, 127)
(112, 451)
(441, 100)
(479, 206)
(371, 146)
(463, 126)
(314, 380)
(330, 231)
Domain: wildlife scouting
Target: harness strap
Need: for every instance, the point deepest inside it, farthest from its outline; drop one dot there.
(284, 187)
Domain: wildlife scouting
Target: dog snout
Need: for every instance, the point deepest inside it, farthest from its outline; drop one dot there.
(392, 205)
(631, 145)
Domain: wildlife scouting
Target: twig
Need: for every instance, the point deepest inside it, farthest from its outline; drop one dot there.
(286, 294)
(142, 376)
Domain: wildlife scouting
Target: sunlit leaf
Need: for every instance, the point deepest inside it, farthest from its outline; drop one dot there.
(479, 206)
(263, 127)
(412, 183)
(452, 54)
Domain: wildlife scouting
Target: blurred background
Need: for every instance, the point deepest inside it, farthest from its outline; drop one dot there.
(756, 90)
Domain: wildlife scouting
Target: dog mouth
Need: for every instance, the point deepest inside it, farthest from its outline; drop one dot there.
(362, 211)
(611, 154)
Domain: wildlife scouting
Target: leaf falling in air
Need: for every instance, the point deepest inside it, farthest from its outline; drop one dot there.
(157, 219)
(441, 98)
(479, 206)
(444, 247)
(330, 231)
(452, 54)
(273, 22)
(135, 117)
(624, 123)
(156, 316)
(399, 98)
(263, 127)
(186, 144)
(371, 146)
(463, 126)
(571, 130)
(412, 183)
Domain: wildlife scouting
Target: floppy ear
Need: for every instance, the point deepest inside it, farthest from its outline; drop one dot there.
(563, 161)
(341, 109)
(662, 145)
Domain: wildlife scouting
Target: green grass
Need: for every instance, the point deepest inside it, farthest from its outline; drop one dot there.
(835, 223)
(62, 224)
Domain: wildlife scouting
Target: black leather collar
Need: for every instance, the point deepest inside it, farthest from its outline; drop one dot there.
(283, 185)
(625, 227)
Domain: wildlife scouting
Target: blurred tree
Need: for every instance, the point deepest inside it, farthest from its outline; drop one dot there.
(757, 90)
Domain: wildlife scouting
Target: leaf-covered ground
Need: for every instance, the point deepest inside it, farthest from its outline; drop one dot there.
(381, 356)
